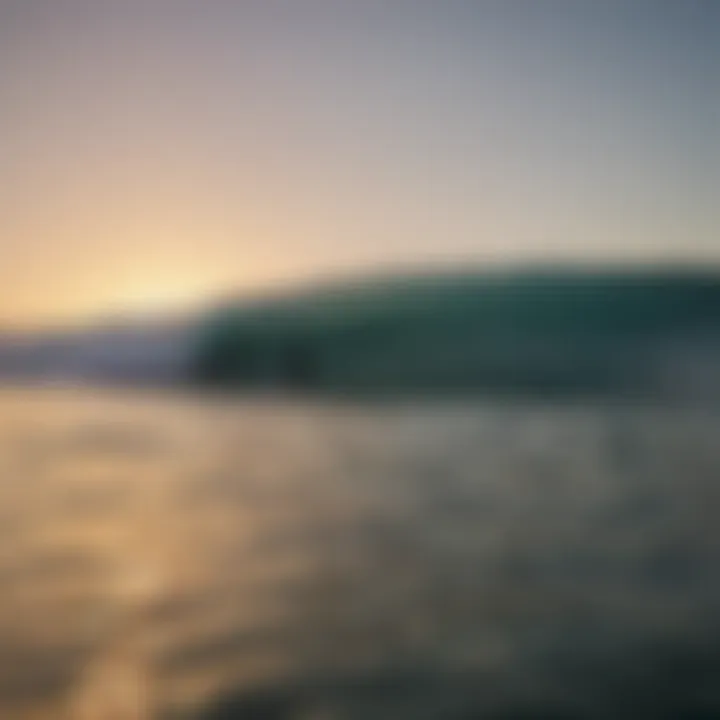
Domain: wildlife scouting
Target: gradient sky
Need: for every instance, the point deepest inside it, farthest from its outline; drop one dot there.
(156, 151)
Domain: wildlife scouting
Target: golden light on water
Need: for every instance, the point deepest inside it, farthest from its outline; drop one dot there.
(164, 553)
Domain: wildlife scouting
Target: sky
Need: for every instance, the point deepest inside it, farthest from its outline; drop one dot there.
(159, 152)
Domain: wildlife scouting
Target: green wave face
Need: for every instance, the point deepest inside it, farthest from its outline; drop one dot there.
(548, 331)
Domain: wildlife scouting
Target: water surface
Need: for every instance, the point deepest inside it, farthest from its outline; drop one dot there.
(175, 557)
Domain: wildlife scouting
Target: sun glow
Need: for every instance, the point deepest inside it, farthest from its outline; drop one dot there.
(158, 299)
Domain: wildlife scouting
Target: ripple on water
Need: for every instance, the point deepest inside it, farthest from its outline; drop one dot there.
(272, 560)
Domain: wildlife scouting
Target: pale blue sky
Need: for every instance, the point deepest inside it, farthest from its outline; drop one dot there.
(161, 150)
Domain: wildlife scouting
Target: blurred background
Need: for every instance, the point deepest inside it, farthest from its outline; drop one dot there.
(359, 359)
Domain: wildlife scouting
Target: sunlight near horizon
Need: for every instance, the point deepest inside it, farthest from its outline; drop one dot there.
(158, 299)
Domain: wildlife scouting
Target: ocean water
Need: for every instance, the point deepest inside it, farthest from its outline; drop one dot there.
(175, 557)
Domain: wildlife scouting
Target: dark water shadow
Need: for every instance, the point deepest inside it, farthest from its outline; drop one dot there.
(665, 684)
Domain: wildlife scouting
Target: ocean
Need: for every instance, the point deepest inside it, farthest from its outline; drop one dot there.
(177, 556)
